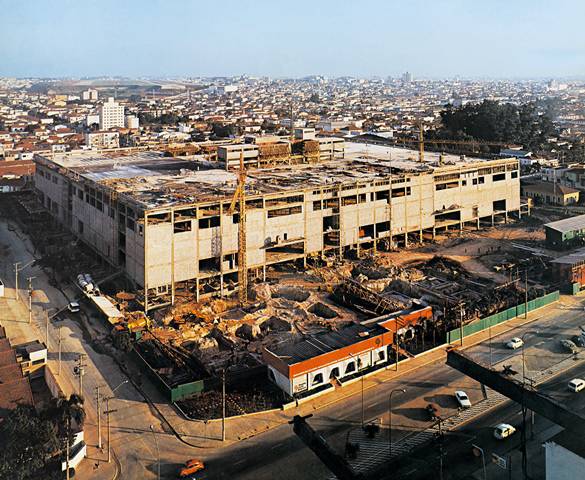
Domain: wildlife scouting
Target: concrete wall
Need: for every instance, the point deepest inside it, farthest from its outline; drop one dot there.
(562, 464)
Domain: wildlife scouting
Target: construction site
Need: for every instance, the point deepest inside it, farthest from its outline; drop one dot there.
(343, 266)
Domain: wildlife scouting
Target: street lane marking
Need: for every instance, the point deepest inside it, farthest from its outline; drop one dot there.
(239, 462)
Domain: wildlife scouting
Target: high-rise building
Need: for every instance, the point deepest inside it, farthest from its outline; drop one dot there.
(111, 115)
(407, 77)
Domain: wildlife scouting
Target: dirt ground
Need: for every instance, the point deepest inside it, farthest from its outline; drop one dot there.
(477, 251)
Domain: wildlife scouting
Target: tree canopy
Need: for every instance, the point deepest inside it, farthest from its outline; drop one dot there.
(29, 440)
(492, 121)
(26, 441)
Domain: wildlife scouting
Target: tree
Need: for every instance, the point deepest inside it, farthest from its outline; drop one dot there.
(526, 124)
(65, 412)
(26, 442)
(223, 131)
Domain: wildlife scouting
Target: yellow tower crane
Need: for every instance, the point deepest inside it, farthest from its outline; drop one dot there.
(239, 198)
(421, 142)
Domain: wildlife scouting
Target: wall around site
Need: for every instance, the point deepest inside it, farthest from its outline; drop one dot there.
(484, 323)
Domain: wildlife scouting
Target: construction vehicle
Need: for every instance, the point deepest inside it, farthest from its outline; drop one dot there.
(239, 199)
(191, 466)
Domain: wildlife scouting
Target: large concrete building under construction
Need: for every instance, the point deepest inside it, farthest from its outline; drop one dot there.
(165, 220)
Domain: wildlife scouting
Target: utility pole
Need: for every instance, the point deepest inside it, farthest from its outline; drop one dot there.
(59, 357)
(99, 418)
(440, 449)
(47, 329)
(30, 292)
(223, 406)
(461, 323)
(67, 447)
(157, 452)
(108, 412)
(16, 280)
(396, 348)
(81, 371)
(357, 364)
(526, 294)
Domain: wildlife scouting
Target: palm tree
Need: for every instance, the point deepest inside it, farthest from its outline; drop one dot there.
(65, 412)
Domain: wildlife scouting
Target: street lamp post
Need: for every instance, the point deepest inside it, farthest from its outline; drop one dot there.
(59, 356)
(535, 332)
(482, 459)
(223, 405)
(401, 390)
(157, 453)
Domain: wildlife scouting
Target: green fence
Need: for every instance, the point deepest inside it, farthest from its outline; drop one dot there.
(518, 310)
(186, 389)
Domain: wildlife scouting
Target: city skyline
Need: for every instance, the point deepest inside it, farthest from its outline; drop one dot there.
(66, 39)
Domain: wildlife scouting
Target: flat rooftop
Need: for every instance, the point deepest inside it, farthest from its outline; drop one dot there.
(153, 180)
(326, 342)
(567, 224)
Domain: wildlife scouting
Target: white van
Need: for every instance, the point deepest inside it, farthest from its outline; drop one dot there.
(576, 385)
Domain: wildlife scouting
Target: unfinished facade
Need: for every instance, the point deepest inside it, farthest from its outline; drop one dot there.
(165, 221)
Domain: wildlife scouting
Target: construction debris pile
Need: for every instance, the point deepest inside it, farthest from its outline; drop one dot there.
(219, 335)
(238, 401)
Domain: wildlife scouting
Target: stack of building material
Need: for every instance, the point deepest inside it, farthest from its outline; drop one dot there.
(273, 150)
(311, 150)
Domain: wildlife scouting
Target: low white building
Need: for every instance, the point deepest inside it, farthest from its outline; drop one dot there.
(132, 122)
(102, 139)
(89, 95)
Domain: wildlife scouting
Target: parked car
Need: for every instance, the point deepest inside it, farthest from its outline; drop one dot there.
(503, 430)
(191, 466)
(569, 346)
(578, 340)
(515, 343)
(462, 399)
(73, 307)
(576, 385)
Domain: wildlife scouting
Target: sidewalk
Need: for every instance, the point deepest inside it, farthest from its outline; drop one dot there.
(14, 318)
(208, 434)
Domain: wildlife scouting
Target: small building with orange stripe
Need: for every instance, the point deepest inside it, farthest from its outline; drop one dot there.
(359, 348)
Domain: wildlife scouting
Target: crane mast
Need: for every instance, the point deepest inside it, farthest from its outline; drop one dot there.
(240, 198)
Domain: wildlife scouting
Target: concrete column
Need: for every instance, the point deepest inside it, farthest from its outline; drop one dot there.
(492, 219)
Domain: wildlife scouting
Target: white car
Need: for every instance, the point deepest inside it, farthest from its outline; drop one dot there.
(576, 385)
(73, 307)
(503, 430)
(462, 399)
(515, 343)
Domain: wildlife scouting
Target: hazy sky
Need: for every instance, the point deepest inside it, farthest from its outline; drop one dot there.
(433, 38)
